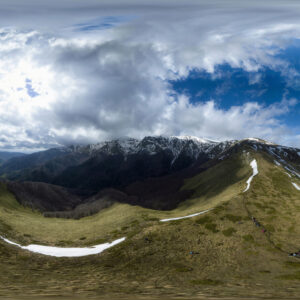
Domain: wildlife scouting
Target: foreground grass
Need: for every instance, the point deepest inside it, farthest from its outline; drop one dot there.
(219, 253)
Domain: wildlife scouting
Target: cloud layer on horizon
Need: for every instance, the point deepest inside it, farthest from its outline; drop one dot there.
(64, 86)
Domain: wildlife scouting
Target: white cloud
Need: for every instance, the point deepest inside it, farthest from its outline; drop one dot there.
(250, 119)
(115, 82)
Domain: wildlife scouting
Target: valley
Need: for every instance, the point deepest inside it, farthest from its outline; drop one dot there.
(208, 244)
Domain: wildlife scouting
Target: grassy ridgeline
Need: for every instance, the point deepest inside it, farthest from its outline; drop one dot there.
(210, 188)
(231, 257)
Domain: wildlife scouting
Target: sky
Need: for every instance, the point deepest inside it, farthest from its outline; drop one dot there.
(84, 71)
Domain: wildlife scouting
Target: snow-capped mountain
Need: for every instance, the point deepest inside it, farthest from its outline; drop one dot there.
(113, 163)
(123, 161)
(148, 172)
(176, 145)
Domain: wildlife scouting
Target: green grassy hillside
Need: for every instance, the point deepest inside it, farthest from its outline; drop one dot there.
(216, 185)
(232, 256)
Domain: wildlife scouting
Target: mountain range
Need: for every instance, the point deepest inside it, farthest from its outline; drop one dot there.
(149, 172)
(192, 217)
(4, 155)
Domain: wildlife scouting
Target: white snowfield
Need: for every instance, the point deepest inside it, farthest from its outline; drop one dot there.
(185, 217)
(66, 252)
(253, 164)
(296, 186)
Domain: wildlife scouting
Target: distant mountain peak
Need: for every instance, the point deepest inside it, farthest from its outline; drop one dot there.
(258, 140)
(194, 138)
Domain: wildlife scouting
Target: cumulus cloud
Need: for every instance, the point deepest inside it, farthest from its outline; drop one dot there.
(250, 119)
(58, 86)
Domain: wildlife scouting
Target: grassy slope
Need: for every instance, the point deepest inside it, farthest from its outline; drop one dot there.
(235, 257)
(28, 226)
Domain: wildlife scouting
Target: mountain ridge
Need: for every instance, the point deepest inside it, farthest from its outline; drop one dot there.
(174, 154)
(149, 172)
(243, 240)
(79, 166)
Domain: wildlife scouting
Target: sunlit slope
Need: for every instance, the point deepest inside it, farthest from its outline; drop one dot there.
(223, 251)
(230, 255)
(222, 181)
(275, 202)
(27, 226)
(217, 184)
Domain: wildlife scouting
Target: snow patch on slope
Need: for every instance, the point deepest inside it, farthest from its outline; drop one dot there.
(260, 141)
(66, 252)
(284, 163)
(272, 152)
(194, 138)
(253, 164)
(296, 186)
(185, 217)
(277, 163)
(253, 139)
(292, 170)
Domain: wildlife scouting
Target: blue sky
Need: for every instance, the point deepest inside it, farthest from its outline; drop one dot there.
(30, 91)
(234, 87)
(101, 23)
(87, 71)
